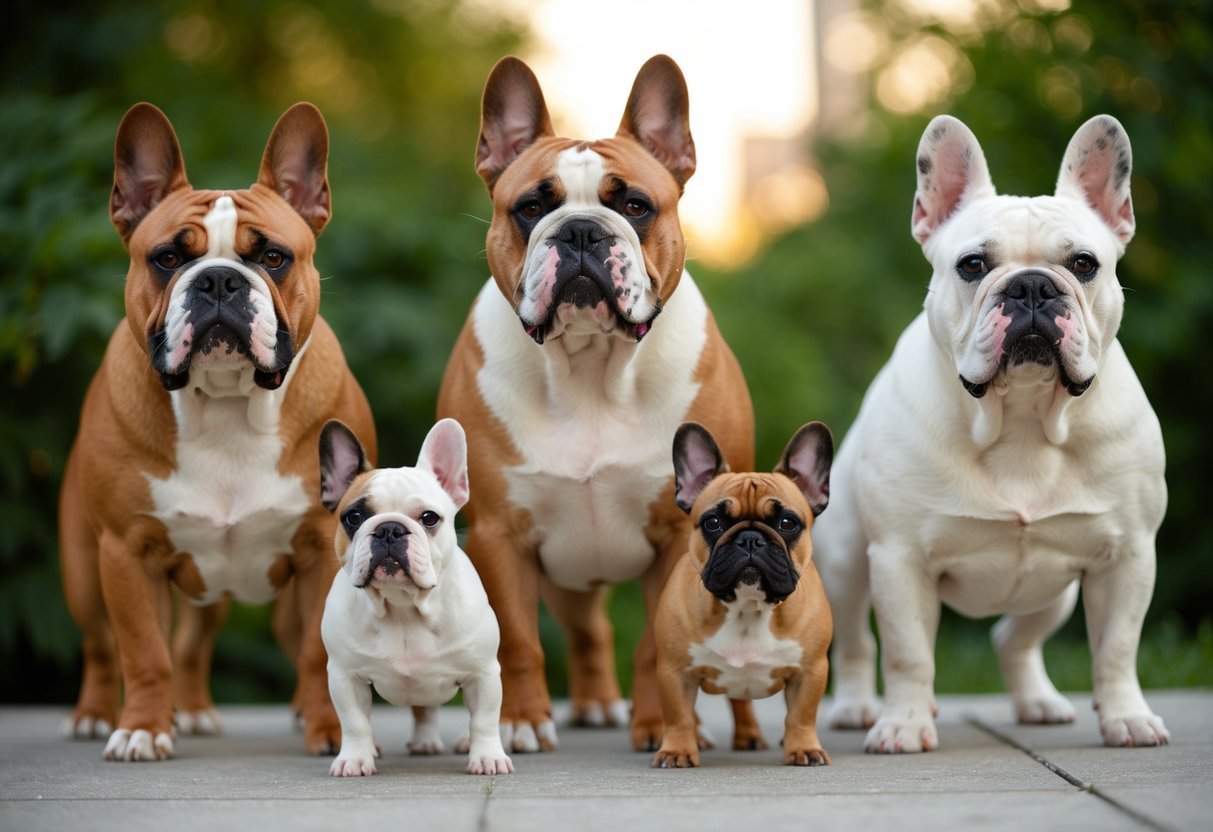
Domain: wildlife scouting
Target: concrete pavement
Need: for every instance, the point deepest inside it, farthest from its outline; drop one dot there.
(989, 774)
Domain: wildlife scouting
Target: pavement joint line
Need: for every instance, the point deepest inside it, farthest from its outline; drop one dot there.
(1077, 782)
(482, 820)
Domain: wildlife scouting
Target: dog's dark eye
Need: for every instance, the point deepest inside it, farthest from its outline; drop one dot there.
(532, 209)
(788, 523)
(1084, 266)
(636, 208)
(352, 519)
(430, 519)
(973, 267)
(711, 524)
(167, 260)
(273, 258)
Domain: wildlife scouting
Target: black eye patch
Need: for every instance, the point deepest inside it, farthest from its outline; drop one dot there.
(355, 515)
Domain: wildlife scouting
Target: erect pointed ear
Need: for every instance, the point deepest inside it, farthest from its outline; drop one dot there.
(1096, 169)
(951, 171)
(512, 116)
(295, 163)
(147, 166)
(807, 460)
(658, 116)
(341, 461)
(445, 455)
(697, 461)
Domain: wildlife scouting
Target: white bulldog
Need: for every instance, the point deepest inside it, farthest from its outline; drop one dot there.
(407, 612)
(1005, 455)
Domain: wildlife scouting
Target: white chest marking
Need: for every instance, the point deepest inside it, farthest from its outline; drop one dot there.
(744, 650)
(226, 504)
(593, 429)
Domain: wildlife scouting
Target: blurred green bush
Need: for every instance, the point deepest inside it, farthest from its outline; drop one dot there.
(811, 318)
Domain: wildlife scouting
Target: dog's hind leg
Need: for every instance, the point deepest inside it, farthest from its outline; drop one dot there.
(1018, 640)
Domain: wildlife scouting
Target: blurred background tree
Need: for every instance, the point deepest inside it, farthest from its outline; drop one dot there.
(812, 317)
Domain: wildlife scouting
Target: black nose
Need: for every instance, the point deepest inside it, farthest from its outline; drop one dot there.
(582, 234)
(220, 282)
(390, 532)
(750, 541)
(1032, 290)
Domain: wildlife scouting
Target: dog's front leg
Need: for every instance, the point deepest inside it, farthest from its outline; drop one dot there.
(907, 614)
(352, 699)
(1115, 599)
(315, 567)
(482, 695)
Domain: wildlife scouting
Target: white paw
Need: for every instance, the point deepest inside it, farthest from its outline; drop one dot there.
(489, 758)
(358, 761)
(593, 715)
(846, 713)
(1046, 708)
(1144, 729)
(891, 735)
(426, 740)
(201, 723)
(138, 746)
(523, 738)
(85, 728)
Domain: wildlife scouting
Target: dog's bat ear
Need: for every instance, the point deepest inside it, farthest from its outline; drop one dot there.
(1096, 170)
(658, 116)
(513, 115)
(806, 461)
(697, 461)
(341, 461)
(147, 166)
(445, 455)
(295, 164)
(951, 171)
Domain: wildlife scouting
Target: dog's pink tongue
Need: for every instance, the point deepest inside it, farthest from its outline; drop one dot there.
(641, 331)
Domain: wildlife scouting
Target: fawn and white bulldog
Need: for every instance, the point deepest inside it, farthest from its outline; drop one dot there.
(744, 612)
(195, 462)
(1006, 455)
(582, 355)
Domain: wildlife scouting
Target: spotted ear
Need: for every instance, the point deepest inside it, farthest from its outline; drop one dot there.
(147, 166)
(807, 460)
(512, 116)
(951, 171)
(1096, 169)
(295, 163)
(697, 461)
(341, 461)
(445, 455)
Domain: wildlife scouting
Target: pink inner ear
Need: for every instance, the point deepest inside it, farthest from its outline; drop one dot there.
(346, 463)
(444, 454)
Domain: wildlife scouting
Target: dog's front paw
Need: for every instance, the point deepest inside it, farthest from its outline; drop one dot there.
(805, 757)
(894, 735)
(85, 726)
(205, 722)
(355, 761)
(676, 757)
(529, 737)
(1045, 708)
(853, 713)
(138, 745)
(322, 737)
(1133, 730)
(427, 741)
(646, 733)
(594, 714)
(489, 759)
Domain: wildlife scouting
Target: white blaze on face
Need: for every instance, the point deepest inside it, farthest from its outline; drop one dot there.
(221, 224)
(581, 171)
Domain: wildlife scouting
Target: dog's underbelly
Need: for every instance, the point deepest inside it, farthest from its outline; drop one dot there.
(993, 567)
(228, 507)
(405, 683)
(744, 659)
(590, 530)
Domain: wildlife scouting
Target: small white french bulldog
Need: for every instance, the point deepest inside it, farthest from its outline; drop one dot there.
(1005, 456)
(407, 612)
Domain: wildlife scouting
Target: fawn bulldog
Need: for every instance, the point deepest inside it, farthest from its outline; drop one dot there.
(1006, 455)
(195, 462)
(407, 613)
(571, 385)
(744, 612)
